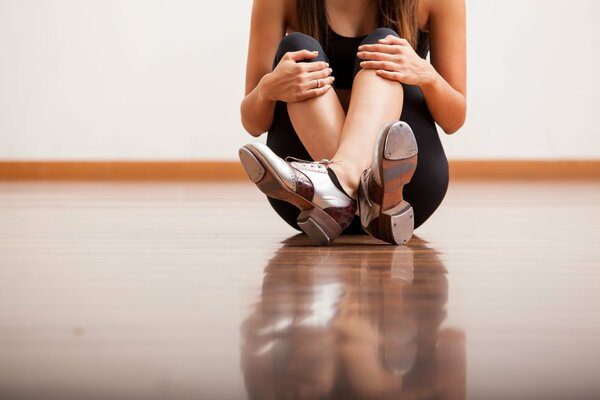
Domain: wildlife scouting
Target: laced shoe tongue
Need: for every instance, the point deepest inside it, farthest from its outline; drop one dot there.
(326, 163)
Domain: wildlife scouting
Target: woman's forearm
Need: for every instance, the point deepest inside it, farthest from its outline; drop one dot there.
(448, 106)
(257, 111)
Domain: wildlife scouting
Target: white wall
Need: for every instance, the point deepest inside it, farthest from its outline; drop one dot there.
(158, 79)
(533, 70)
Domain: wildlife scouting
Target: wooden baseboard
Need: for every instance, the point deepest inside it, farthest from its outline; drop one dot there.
(232, 171)
(122, 170)
(525, 169)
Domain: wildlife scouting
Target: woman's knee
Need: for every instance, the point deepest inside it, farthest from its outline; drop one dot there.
(372, 38)
(379, 33)
(297, 41)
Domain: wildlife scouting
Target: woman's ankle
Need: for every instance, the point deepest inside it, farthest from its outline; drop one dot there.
(347, 178)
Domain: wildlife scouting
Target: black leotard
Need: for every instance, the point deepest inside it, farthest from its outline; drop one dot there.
(430, 181)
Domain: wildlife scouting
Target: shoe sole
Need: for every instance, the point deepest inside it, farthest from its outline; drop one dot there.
(396, 152)
(313, 221)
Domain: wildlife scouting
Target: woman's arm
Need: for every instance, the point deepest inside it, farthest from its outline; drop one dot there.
(446, 91)
(292, 80)
(267, 27)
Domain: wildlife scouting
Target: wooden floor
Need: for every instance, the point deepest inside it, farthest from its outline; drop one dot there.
(198, 291)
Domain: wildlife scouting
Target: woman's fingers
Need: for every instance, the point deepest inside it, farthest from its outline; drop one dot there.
(391, 39)
(391, 75)
(318, 83)
(372, 55)
(320, 74)
(301, 55)
(316, 92)
(380, 48)
(315, 66)
(387, 65)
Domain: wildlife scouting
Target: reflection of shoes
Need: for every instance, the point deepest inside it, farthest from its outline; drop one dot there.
(326, 210)
(383, 212)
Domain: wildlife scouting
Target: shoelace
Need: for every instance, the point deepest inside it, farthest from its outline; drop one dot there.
(324, 161)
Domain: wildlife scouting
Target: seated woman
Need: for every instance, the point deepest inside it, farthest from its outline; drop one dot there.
(350, 85)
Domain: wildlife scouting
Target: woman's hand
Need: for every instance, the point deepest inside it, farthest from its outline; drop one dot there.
(293, 81)
(394, 58)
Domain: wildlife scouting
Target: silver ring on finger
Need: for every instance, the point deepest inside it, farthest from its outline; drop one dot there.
(318, 83)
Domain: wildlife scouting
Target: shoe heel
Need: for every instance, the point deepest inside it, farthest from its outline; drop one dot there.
(396, 225)
(399, 162)
(319, 226)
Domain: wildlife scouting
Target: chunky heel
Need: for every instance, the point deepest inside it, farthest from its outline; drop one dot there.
(398, 163)
(397, 224)
(384, 213)
(319, 226)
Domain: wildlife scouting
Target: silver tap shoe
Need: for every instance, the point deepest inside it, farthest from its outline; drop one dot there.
(325, 210)
(384, 213)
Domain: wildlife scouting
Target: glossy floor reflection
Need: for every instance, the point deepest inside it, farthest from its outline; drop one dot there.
(354, 321)
(198, 291)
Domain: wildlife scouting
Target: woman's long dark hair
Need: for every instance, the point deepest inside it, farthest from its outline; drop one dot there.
(400, 15)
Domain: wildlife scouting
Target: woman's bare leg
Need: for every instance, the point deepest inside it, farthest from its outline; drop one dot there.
(318, 123)
(327, 132)
(374, 102)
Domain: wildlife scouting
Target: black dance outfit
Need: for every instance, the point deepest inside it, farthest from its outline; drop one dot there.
(430, 181)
